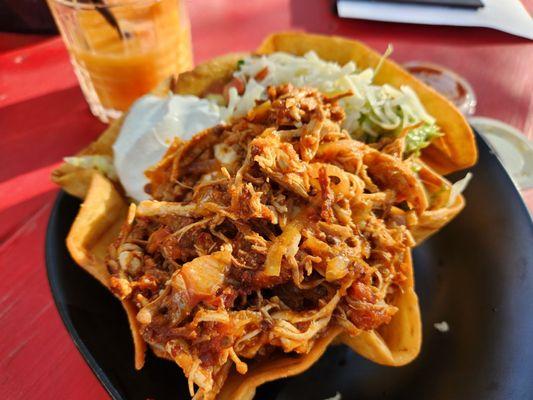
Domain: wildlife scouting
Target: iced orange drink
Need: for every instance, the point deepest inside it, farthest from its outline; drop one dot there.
(121, 49)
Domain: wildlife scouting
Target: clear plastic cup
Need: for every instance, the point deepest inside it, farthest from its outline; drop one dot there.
(121, 49)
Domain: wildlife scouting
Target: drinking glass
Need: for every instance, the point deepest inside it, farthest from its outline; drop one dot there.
(121, 49)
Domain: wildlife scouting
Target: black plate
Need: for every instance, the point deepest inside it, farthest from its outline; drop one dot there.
(476, 274)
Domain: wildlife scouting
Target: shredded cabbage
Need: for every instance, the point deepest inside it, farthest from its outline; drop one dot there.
(371, 111)
(458, 188)
(103, 164)
(420, 137)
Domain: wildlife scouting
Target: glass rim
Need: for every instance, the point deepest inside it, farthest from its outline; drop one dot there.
(90, 5)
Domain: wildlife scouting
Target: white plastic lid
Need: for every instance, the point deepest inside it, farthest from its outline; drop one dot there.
(514, 150)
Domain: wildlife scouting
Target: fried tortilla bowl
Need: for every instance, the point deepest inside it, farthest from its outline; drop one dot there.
(374, 311)
(97, 224)
(374, 299)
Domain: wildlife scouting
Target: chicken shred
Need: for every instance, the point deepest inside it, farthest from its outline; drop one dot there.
(300, 230)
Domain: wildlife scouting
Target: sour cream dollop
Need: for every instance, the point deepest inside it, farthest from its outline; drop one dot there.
(148, 130)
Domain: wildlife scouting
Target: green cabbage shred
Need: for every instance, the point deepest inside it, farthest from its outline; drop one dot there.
(420, 137)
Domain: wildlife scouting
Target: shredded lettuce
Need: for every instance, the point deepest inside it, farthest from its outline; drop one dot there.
(102, 164)
(420, 137)
(458, 188)
(372, 111)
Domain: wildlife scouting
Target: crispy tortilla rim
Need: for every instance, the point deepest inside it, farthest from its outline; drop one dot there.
(441, 211)
(97, 225)
(243, 387)
(431, 221)
(398, 342)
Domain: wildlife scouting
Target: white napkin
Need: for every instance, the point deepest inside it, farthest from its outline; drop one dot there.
(505, 15)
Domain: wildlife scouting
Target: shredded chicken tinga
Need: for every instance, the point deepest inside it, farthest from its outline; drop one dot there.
(264, 234)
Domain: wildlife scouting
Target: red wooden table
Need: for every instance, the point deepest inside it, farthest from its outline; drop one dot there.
(43, 117)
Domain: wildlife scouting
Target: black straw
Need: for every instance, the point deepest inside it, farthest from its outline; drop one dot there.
(110, 18)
